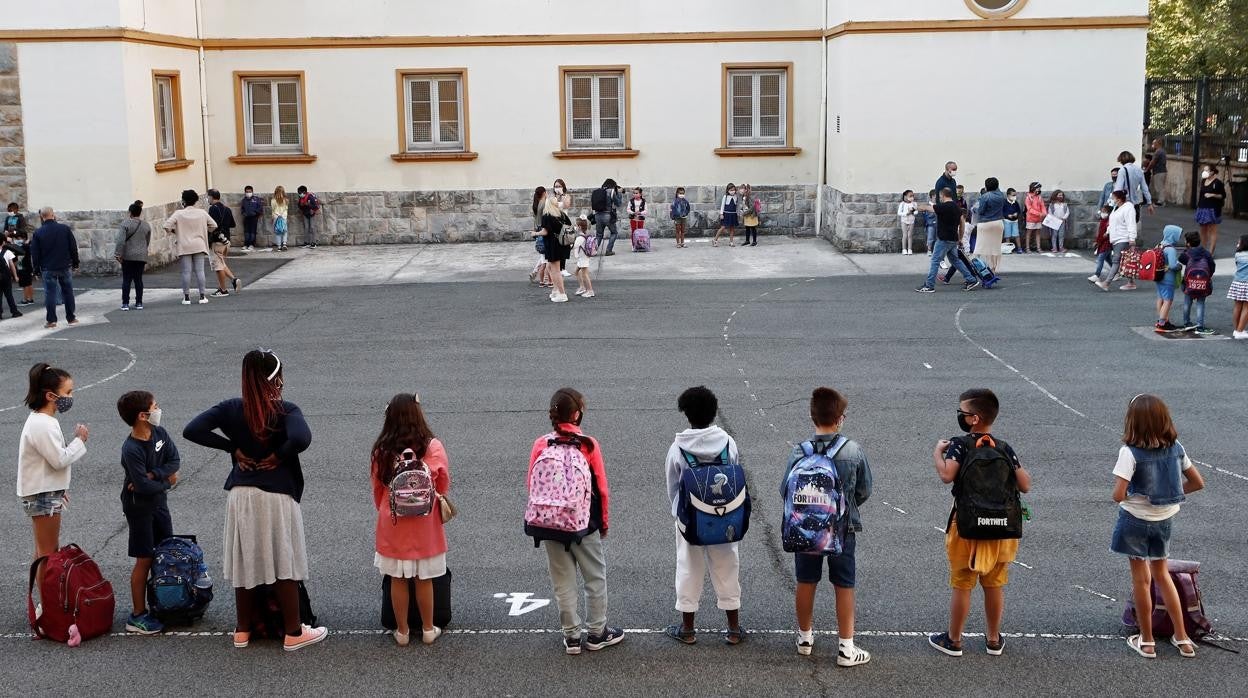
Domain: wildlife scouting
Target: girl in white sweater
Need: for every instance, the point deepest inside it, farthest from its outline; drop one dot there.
(43, 458)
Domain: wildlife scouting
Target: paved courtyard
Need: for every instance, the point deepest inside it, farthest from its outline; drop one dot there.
(761, 327)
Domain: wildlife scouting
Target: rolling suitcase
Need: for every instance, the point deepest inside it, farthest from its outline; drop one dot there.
(641, 240)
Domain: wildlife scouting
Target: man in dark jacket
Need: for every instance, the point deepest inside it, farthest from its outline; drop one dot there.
(605, 201)
(54, 255)
(948, 178)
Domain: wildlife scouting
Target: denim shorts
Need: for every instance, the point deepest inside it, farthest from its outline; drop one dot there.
(1140, 539)
(841, 568)
(44, 503)
(1165, 292)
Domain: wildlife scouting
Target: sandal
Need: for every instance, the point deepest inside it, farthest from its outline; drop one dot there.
(734, 636)
(678, 633)
(1136, 642)
(1187, 648)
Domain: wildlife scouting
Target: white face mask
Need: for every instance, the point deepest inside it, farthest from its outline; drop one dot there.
(558, 190)
(1104, 215)
(153, 417)
(249, 195)
(1206, 174)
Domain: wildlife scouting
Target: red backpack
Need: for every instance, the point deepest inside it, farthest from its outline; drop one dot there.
(1153, 264)
(77, 600)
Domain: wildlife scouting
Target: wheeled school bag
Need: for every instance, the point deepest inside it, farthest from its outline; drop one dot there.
(1197, 281)
(985, 275)
(713, 504)
(441, 603)
(1153, 264)
(76, 600)
(641, 240)
(815, 509)
(987, 505)
(269, 622)
(178, 588)
(560, 493)
(1183, 573)
(411, 489)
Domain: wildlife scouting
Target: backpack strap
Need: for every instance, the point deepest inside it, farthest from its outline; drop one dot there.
(808, 449)
(690, 459)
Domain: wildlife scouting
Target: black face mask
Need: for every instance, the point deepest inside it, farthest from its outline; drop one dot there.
(962, 424)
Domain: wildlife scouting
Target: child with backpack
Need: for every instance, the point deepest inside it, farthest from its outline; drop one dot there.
(309, 206)
(1149, 490)
(1198, 268)
(706, 448)
(1238, 292)
(150, 461)
(568, 508)
(1165, 272)
(1036, 210)
(409, 476)
(679, 214)
(583, 248)
(828, 461)
(981, 536)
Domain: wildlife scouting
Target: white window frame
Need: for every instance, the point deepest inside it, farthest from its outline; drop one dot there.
(166, 127)
(755, 140)
(596, 141)
(253, 148)
(436, 144)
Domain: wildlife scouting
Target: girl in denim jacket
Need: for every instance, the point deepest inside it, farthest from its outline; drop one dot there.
(1151, 478)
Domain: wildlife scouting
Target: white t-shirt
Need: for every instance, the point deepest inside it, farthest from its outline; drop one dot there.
(1138, 505)
(578, 253)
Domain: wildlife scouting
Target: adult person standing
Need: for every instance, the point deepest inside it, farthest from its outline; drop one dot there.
(948, 238)
(1157, 171)
(1107, 191)
(553, 223)
(263, 540)
(224, 218)
(538, 274)
(1131, 180)
(1209, 205)
(948, 179)
(564, 197)
(991, 226)
(252, 208)
(133, 240)
(54, 253)
(1122, 231)
(605, 202)
(191, 226)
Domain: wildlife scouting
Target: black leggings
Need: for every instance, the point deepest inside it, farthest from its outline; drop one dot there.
(6, 290)
(132, 273)
(751, 233)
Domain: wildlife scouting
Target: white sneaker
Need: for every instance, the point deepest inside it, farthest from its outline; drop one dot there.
(186, 300)
(580, 291)
(805, 645)
(428, 637)
(1239, 335)
(852, 657)
(1094, 278)
(559, 298)
(202, 300)
(591, 294)
(565, 272)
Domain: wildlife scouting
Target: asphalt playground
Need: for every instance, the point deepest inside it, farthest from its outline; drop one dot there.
(486, 350)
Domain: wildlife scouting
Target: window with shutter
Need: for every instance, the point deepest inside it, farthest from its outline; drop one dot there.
(595, 110)
(757, 108)
(434, 112)
(166, 143)
(273, 115)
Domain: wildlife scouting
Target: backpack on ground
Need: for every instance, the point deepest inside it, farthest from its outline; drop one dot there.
(75, 598)
(1153, 264)
(179, 588)
(600, 201)
(412, 492)
(441, 603)
(641, 240)
(986, 499)
(1197, 281)
(713, 504)
(591, 246)
(814, 504)
(1183, 573)
(560, 493)
(269, 621)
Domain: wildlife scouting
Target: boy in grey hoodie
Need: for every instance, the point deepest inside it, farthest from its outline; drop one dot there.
(705, 441)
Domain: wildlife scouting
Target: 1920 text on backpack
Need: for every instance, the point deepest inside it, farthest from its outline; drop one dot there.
(178, 588)
(72, 592)
(560, 493)
(815, 508)
(986, 501)
(411, 487)
(1197, 281)
(713, 504)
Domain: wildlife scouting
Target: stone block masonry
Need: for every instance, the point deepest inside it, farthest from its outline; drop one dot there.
(12, 141)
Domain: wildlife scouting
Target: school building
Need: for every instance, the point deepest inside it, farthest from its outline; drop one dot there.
(421, 122)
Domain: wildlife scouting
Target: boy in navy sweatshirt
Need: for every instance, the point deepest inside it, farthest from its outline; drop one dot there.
(150, 461)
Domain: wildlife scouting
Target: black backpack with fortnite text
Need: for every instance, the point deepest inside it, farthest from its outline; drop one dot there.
(986, 502)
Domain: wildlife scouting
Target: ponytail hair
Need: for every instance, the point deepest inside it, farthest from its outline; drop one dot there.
(565, 405)
(262, 392)
(136, 208)
(43, 380)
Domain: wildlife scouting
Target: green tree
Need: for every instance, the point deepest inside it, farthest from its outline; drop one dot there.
(1195, 38)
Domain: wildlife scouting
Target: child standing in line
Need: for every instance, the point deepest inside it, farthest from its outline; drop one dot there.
(567, 408)
(986, 562)
(585, 288)
(751, 207)
(679, 214)
(1036, 212)
(1104, 250)
(150, 461)
(1060, 211)
(929, 220)
(727, 216)
(827, 411)
(280, 211)
(1238, 292)
(705, 441)
(409, 547)
(1167, 282)
(1013, 211)
(1197, 282)
(637, 211)
(905, 214)
(1149, 490)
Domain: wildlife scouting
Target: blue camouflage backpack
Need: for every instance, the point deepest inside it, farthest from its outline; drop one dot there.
(713, 506)
(179, 588)
(814, 504)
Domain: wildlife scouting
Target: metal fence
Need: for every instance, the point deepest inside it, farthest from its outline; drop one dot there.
(1205, 119)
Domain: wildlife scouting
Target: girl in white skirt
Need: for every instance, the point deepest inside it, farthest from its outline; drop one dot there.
(263, 541)
(414, 546)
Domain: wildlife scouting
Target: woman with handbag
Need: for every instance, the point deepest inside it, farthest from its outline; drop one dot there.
(538, 274)
(1209, 207)
(557, 235)
(411, 546)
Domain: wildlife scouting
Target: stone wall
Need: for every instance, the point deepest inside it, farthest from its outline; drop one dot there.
(96, 232)
(12, 142)
(868, 222)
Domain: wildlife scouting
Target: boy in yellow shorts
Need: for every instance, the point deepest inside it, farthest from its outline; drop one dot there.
(984, 560)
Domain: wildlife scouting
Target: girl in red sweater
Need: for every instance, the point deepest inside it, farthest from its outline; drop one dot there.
(409, 546)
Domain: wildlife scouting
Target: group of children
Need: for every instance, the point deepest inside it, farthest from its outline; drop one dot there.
(1153, 475)
(1025, 221)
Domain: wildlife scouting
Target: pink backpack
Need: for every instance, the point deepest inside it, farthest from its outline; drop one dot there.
(560, 493)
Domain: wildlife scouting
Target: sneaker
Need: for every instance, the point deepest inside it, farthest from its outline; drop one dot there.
(580, 291)
(805, 644)
(401, 639)
(572, 645)
(186, 300)
(1168, 326)
(1104, 286)
(16, 314)
(203, 300)
(309, 636)
(220, 293)
(924, 289)
(589, 294)
(428, 637)
(138, 306)
(610, 253)
(1188, 326)
(559, 298)
(971, 285)
(1094, 278)
(241, 639)
(609, 636)
(285, 248)
(238, 285)
(995, 648)
(49, 325)
(312, 246)
(145, 624)
(304, 246)
(942, 643)
(1239, 335)
(73, 323)
(1205, 331)
(565, 273)
(1127, 287)
(125, 306)
(852, 656)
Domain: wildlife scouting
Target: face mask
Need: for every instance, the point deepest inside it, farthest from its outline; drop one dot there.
(1104, 215)
(909, 199)
(558, 190)
(962, 424)
(1206, 174)
(153, 417)
(1011, 198)
(249, 195)
(63, 403)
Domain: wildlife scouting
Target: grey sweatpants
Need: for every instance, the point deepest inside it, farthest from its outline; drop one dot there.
(590, 557)
(192, 263)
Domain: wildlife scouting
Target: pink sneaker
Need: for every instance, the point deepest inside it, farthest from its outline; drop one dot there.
(310, 636)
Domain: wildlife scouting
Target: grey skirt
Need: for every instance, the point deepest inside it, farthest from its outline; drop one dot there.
(263, 539)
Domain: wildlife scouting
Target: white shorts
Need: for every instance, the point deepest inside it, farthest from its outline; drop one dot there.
(427, 568)
(582, 263)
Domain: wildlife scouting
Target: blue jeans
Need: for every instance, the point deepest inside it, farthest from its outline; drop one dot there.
(931, 238)
(946, 249)
(309, 232)
(62, 280)
(1188, 302)
(601, 221)
(1101, 259)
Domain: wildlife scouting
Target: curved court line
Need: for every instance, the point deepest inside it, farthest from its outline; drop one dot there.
(133, 360)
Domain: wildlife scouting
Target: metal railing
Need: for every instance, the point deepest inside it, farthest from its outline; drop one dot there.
(1205, 119)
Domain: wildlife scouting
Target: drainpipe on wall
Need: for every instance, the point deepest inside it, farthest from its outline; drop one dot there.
(203, 96)
(823, 128)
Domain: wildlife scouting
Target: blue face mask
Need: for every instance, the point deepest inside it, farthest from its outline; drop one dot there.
(63, 403)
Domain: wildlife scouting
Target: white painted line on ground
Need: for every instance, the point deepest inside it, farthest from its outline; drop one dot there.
(1023, 565)
(133, 360)
(896, 509)
(1095, 593)
(938, 528)
(927, 365)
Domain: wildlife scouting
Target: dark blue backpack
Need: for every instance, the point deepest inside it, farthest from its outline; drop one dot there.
(713, 505)
(179, 588)
(680, 207)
